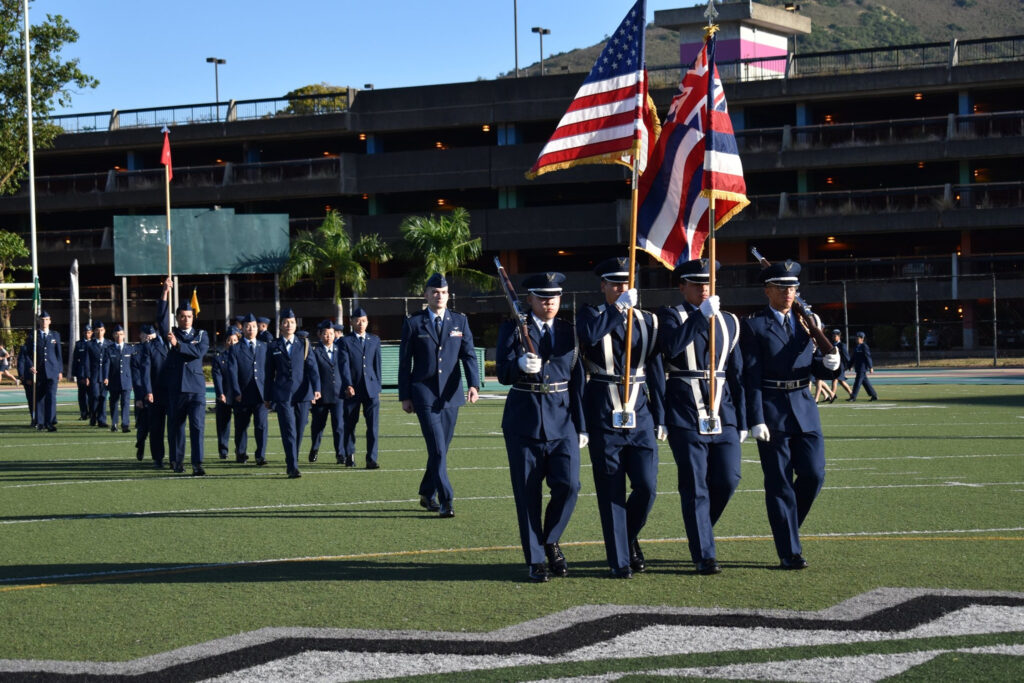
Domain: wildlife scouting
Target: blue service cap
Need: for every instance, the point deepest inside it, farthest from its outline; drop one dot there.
(544, 285)
(360, 312)
(118, 328)
(785, 274)
(262, 321)
(698, 270)
(437, 280)
(614, 269)
(248, 318)
(325, 324)
(286, 313)
(44, 314)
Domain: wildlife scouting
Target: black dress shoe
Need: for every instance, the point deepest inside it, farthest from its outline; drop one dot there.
(260, 462)
(312, 454)
(158, 464)
(198, 472)
(446, 511)
(372, 466)
(622, 573)
(851, 399)
(539, 573)
(556, 560)
(113, 429)
(793, 562)
(430, 504)
(339, 459)
(832, 400)
(140, 452)
(125, 429)
(708, 567)
(636, 557)
(102, 425)
(179, 469)
(241, 457)
(873, 398)
(350, 462)
(295, 474)
(92, 423)
(51, 428)
(223, 456)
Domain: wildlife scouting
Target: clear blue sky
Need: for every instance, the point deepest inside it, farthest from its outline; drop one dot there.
(151, 54)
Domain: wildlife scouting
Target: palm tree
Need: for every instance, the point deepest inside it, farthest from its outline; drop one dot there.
(443, 244)
(328, 252)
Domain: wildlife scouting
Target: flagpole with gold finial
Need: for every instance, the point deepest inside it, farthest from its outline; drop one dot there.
(165, 159)
(712, 423)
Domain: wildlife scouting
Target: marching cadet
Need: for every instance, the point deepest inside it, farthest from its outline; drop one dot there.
(139, 389)
(293, 381)
(157, 395)
(332, 366)
(434, 341)
(78, 372)
(779, 358)
(542, 423)
(705, 438)
(363, 391)
(96, 373)
(26, 377)
(225, 400)
(844, 356)
(247, 362)
(264, 334)
(46, 374)
(186, 384)
(862, 365)
(118, 381)
(622, 432)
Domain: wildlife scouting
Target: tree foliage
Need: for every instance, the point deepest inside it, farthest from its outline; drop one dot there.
(442, 244)
(12, 251)
(52, 81)
(308, 99)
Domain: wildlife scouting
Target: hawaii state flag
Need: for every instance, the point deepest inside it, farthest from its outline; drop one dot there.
(611, 118)
(695, 158)
(165, 154)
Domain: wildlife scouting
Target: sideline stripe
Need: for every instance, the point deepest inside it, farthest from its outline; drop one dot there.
(90, 577)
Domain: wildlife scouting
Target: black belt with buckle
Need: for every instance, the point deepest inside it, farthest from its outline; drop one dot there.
(693, 374)
(785, 384)
(542, 388)
(617, 379)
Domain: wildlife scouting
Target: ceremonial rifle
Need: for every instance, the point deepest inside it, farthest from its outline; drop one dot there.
(513, 303)
(802, 309)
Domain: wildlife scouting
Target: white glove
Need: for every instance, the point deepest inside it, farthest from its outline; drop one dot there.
(709, 307)
(831, 361)
(626, 300)
(743, 435)
(662, 433)
(530, 363)
(584, 440)
(760, 432)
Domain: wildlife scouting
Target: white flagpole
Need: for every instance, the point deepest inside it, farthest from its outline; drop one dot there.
(31, 197)
(74, 318)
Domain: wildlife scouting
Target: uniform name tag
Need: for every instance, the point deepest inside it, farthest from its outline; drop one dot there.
(455, 333)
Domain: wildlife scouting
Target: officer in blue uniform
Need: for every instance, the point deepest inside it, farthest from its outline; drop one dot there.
(862, 365)
(363, 390)
(618, 453)
(708, 463)
(186, 384)
(542, 423)
(47, 371)
(156, 385)
(332, 366)
(263, 332)
(434, 342)
(78, 372)
(139, 390)
(95, 373)
(224, 398)
(27, 379)
(118, 381)
(292, 381)
(247, 362)
(779, 360)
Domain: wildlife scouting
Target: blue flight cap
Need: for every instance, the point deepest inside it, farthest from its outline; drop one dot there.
(97, 324)
(302, 334)
(325, 324)
(784, 274)
(614, 269)
(184, 307)
(88, 327)
(861, 335)
(340, 329)
(437, 280)
(231, 329)
(249, 318)
(262, 321)
(118, 328)
(544, 285)
(44, 314)
(147, 329)
(286, 313)
(360, 312)
(697, 271)
(837, 332)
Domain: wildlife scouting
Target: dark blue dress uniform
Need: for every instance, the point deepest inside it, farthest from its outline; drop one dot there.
(429, 376)
(292, 378)
(139, 389)
(708, 464)
(78, 372)
(246, 372)
(542, 421)
(119, 383)
(862, 363)
(27, 379)
(620, 453)
(364, 369)
(224, 411)
(154, 381)
(49, 367)
(332, 367)
(778, 365)
(265, 336)
(186, 391)
(96, 367)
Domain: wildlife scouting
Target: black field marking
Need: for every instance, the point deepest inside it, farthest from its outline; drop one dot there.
(887, 610)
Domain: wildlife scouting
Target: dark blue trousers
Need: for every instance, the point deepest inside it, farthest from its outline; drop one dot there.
(531, 462)
(709, 472)
(84, 409)
(438, 428)
(320, 412)
(141, 422)
(257, 414)
(46, 402)
(157, 419)
(291, 418)
(97, 403)
(862, 379)
(223, 414)
(192, 407)
(30, 399)
(794, 472)
(119, 408)
(371, 413)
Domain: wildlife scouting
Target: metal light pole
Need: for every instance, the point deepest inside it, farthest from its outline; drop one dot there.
(541, 32)
(216, 61)
(515, 31)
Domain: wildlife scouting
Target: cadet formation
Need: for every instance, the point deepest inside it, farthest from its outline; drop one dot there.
(616, 380)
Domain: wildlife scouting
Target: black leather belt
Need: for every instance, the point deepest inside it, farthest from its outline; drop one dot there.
(617, 379)
(549, 388)
(785, 384)
(693, 374)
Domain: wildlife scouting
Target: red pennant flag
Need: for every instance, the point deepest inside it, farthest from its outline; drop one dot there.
(165, 155)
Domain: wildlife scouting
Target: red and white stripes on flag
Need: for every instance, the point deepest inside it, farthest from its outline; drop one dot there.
(612, 117)
(691, 162)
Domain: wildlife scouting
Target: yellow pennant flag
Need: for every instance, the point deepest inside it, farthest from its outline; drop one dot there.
(194, 303)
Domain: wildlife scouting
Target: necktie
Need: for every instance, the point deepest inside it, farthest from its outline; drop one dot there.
(288, 346)
(437, 326)
(545, 342)
(789, 326)
(330, 356)
(362, 339)
(252, 346)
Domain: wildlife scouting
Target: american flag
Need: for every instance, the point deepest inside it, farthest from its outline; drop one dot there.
(611, 118)
(688, 166)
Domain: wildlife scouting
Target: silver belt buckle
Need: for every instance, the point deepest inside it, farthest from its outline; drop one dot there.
(543, 388)
(624, 419)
